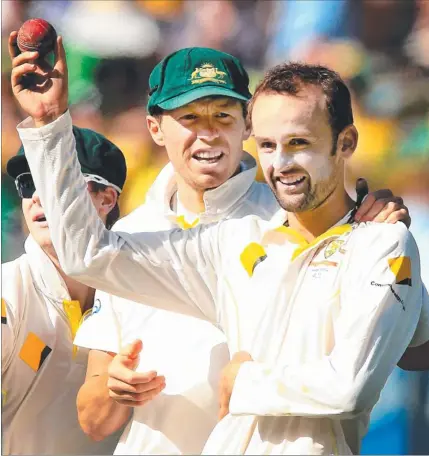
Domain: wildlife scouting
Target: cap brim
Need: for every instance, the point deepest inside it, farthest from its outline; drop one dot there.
(196, 94)
(17, 165)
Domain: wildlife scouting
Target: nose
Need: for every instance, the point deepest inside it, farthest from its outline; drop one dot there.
(207, 131)
(35, 198)
(281, 160)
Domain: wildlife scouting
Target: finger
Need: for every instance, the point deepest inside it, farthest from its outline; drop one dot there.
(19, 72)
(122, 387)
(13, 45)
(131, 377)
(60, 57)
(364, 207)
(388, 209)
(25, 57)
(400, 215)
(375, 209)
(135, 403)
(137, 397)
(391, 204)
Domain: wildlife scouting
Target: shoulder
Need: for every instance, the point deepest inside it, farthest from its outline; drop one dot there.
(236, 231)
(379, 236)
(13, 278)
(14, 286)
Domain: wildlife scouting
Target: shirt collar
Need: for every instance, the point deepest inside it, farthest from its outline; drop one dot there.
(278, 233)
(217, 201)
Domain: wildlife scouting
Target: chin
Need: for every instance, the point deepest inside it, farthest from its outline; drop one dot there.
(207, 182)
(297, 203)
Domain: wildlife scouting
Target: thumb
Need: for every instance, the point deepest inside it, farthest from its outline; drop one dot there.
(132, 350)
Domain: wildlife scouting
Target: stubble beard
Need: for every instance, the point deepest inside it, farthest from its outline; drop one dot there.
(310, 199)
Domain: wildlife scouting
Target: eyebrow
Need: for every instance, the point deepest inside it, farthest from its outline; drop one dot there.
(301, 134)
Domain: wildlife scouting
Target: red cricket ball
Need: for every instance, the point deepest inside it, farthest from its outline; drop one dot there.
(36, 35)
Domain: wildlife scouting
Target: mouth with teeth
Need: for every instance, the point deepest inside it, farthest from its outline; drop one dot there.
(293, 183)
(208, 156)
(41, 218)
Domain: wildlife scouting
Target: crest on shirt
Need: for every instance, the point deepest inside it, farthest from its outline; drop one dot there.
(333, 247)
(207, 72)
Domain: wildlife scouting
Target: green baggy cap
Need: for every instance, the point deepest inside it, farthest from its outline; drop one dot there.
(192, 73)
(98, 158)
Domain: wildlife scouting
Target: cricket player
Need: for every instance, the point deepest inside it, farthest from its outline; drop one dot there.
(41, 310)
(211, 273)
(215, 183)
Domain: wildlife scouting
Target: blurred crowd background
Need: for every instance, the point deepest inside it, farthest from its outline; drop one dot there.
(380, 47)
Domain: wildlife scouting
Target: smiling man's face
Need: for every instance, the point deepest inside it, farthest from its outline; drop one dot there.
(204, 140)
(295, 146)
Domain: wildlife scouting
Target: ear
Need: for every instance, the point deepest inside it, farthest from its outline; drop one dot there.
(347, 142)
(107, 201)
(247, 131)
(154, 127)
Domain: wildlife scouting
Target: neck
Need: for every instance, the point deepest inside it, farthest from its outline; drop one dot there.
(77, 291)
(191, 198)
(315, 222)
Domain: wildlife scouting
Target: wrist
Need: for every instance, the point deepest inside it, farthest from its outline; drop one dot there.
(48, 118)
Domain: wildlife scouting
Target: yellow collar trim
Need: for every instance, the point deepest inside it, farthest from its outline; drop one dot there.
(182, 223)
(304, 245)
(75, 318)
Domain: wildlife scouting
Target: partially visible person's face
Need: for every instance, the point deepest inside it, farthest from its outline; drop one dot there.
(34, 216)
(295, 147)
(204, 140)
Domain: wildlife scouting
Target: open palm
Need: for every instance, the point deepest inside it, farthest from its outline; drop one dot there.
(40, 88)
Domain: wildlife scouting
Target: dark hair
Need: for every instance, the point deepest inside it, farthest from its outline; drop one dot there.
(114, 214)
(290, 78)
(158, 112)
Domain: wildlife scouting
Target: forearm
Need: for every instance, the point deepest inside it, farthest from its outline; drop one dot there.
(99, 415)
(146, 267)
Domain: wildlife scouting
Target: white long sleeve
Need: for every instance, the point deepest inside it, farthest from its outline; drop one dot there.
(381, 296)
(169, 270)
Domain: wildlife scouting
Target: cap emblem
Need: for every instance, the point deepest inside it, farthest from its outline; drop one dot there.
(207, 72)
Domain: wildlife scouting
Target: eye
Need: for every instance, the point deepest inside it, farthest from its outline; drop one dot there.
(188, 117)
(222, 115)
(298, 142)
(267, 145)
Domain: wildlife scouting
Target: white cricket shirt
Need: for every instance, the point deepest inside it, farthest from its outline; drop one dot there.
(325, 322)
(41, 369)
(190, 352)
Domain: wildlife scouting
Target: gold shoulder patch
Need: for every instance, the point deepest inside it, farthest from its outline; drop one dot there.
(251, 256)
(34, 351)
(3, 312)
(401, 267)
